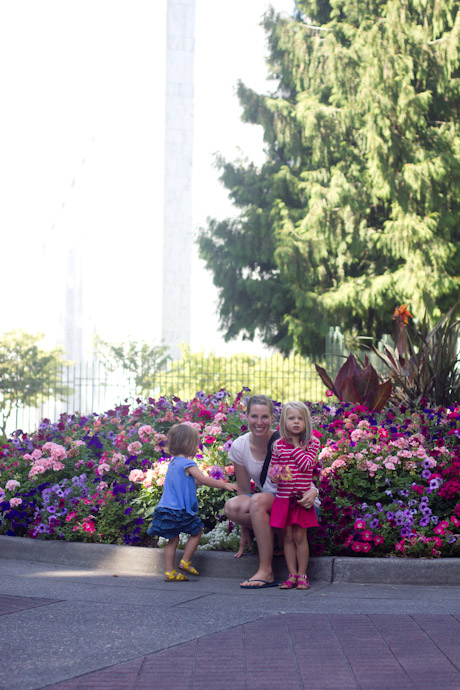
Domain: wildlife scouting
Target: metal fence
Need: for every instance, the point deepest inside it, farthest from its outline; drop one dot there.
(92, 387)
(86, 388)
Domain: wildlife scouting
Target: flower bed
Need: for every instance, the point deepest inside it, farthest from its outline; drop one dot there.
(390, 482)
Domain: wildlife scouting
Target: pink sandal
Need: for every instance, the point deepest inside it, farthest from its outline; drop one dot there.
(289, 583)
(302, 582)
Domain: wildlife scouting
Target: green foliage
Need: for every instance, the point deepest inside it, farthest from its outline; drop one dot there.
(100, 518)
(356, 384)
(356, 205)
(140, 359)
(211, 502)
(424, 364)
(29, 375)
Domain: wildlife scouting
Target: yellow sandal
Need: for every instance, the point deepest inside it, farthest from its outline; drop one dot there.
(172, 576)
(188, 567)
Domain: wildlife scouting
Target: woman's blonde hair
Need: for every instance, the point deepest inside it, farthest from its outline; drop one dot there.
(305, 412)
(183, 439)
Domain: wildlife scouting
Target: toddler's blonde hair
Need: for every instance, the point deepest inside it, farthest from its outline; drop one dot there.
(183, 439)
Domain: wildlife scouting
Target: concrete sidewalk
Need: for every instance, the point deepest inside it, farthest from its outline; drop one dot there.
(69, 627)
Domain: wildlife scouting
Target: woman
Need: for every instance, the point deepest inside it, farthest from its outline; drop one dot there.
(252, 511)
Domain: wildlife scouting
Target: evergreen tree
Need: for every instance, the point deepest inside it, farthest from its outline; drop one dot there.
(357, 206)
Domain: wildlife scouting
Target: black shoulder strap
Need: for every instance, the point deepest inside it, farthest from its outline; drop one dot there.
(263, 475)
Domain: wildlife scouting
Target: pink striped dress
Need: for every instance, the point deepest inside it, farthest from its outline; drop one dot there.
(301, 463)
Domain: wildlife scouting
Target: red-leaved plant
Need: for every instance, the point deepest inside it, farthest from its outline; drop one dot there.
(357, 384)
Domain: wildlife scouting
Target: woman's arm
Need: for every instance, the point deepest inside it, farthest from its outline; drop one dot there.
(243, 480)
(209, 481)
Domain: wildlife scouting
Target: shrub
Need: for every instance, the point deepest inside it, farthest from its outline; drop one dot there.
(424, 364)
(389, 485)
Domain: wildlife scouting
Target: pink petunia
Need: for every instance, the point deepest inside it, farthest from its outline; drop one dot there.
(338, 463)
(11, 485)
(134, 448)
(136, 476)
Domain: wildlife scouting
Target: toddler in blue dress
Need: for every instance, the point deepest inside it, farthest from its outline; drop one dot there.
(176, 511)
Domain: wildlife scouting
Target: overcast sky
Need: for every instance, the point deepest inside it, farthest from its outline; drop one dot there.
(81, 162)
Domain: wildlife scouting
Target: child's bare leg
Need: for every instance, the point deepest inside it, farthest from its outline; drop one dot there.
(191, 546)
(290, 550)
(169, 552)
(302, 549)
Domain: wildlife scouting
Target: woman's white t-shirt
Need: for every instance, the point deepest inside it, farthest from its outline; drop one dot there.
(240, 454)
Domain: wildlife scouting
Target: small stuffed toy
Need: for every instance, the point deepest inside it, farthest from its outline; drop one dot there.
(280, 472)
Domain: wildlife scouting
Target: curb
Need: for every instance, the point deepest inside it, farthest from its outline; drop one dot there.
(137, 560)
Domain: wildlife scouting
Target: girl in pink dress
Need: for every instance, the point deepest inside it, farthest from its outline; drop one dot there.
(293, 461)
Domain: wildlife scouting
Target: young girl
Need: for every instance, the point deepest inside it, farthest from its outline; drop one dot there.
(176, 511)
(293, 462)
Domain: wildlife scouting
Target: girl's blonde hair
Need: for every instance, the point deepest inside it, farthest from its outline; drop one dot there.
(305, 412)
(183, 439)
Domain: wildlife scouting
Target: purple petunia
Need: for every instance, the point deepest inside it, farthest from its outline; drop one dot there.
(435, 483)
(216, 472)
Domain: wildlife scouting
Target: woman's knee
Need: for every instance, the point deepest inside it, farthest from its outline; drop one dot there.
(261, 503)
(230, 508)
(236, 507)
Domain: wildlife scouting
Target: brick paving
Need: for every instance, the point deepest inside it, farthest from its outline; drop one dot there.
(12, 604)
(300, 652)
